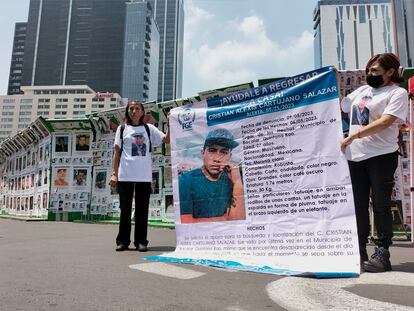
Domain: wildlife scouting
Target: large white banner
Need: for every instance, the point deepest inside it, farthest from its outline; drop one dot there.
(260, 183)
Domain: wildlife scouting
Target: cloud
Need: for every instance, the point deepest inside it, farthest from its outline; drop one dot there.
(222, 53)
(194, 19)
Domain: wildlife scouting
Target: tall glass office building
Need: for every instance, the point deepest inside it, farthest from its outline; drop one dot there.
(73, 42)
(404, 20)
(16, 65)
(349, 32)
(169, 15)
(141, 53)
(84, 42)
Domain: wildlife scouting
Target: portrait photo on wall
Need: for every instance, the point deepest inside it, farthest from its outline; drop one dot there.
(47, 151)
(28, 159)
(61, 144)
(7, 149)
(155, 207)
(80, 177)
(41, 128)
(155, 183)
(61, 176)
(45, 177)
(36, 132)
(14, 145)
(29, 135)
(33, 158)
(22, 140)
(168, 208)
(40, 153)
(100, 180)
(167, 176)
(39, 201)
(82, 142)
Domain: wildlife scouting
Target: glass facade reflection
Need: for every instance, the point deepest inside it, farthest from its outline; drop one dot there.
(141, 53)
(169, 15)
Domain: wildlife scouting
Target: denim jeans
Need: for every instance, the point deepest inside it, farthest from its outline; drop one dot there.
(142, 194)
(375, 177)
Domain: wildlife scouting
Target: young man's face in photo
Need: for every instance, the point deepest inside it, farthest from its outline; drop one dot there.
(61, 174)
(215, 158)
(82, 141)
(80, 176)
(61, 141)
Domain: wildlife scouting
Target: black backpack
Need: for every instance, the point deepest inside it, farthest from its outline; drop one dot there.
(122, 137)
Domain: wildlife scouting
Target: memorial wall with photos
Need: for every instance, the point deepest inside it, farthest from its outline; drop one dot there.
(64, 165)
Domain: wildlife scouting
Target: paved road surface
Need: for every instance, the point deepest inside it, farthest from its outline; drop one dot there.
(72, 266)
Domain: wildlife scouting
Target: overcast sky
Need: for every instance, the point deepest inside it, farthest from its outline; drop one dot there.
(226, 41)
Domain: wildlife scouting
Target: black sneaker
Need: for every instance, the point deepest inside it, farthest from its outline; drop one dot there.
(121, 248)
(363, 256)
(379, 262)
(142, 248)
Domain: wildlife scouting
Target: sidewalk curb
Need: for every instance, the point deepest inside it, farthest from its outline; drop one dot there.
(23, 218)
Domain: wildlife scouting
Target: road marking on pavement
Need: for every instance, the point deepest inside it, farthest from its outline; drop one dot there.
(168, 270)
(235, 308)
(295, 293)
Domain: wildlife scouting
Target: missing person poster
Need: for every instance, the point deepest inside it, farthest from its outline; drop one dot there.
(260, 183)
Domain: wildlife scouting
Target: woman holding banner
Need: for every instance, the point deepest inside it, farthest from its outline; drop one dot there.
(132, 173)
(377, 111)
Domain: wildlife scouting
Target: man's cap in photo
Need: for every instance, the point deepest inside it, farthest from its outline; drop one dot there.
(220, 137)
(138, 135)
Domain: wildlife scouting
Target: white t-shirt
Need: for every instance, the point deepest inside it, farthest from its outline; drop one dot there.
(136, 163)
(367, 104)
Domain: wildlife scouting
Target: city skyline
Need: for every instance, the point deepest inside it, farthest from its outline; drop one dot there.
(215, 32)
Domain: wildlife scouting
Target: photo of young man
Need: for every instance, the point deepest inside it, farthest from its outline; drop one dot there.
(80, 177)
(60, 177)
(61, 144)
(82, 142)
(213, 192)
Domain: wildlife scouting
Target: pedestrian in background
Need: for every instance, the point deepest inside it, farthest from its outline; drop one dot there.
(132, 173)
(377, 111)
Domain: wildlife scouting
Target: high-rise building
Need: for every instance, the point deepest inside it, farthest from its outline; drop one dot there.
(73, 42)
(74, 101)
(141, 53)
(349, 32)
(16, 65)
(404, 21)
(169, 15)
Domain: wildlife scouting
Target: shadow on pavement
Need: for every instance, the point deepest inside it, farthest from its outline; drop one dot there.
(404, 267)
(161, 248)
(402, 245)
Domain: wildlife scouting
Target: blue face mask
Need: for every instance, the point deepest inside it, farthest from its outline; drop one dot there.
(375, 81)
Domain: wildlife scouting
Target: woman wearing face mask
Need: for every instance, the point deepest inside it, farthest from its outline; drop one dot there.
(377, 110)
